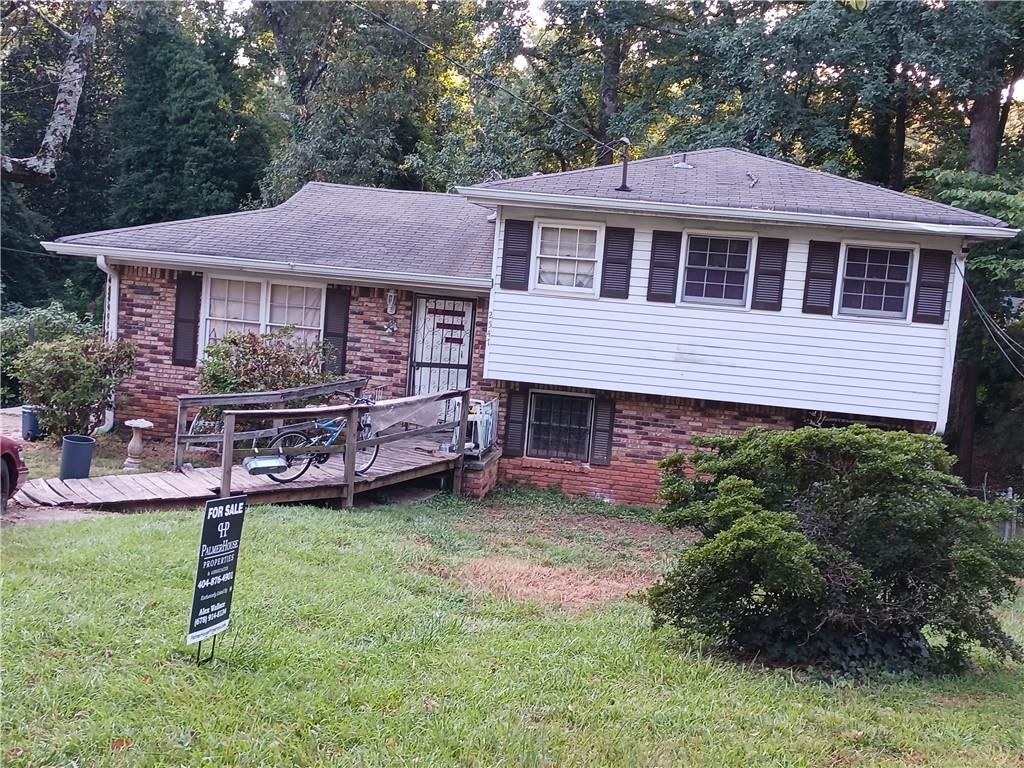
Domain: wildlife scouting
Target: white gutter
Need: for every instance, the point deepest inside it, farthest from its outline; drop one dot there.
(543, 199)
(110, 312)
(205, 262)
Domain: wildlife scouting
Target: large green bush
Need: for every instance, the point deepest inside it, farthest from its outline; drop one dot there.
(854, 548)
(21, 327)
(73, 380)
(254, 363)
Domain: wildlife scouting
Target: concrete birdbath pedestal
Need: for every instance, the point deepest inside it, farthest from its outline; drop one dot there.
(139, 428)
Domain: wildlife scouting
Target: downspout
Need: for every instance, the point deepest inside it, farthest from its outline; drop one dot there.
(110, 312)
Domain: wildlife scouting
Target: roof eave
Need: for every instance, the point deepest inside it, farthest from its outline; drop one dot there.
(205, 262)
(512, 197)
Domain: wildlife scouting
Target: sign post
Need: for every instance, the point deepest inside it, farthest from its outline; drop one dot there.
(215, 575)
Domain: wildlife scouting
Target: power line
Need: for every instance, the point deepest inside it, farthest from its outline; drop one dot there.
(990, 325)
(485, 79)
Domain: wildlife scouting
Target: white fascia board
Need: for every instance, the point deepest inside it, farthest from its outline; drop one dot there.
(543, 199)
(200, 262)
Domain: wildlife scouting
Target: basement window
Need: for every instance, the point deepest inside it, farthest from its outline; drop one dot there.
(559, 426)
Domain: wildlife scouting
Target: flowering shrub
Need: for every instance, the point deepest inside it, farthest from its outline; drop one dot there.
(850, 547)
(72, 380)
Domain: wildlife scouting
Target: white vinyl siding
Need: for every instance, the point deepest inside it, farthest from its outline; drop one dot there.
(869, 366)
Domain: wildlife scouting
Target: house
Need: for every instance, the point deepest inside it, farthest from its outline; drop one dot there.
(615, 313)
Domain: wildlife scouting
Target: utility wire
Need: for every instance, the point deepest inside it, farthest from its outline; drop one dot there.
(986, 320)
(485, 79)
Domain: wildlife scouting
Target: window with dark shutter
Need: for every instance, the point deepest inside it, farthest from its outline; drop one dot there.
(664, 275)
(618, 261)
(932, 286)
(601, 435)
(820, 285)
(515, 255)
(769, 273)
(336, 326)
(189, 292)
(515, 424)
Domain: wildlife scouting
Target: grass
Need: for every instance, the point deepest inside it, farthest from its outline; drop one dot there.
(345, 650)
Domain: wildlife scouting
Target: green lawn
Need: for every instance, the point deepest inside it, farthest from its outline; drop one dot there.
(369, 638)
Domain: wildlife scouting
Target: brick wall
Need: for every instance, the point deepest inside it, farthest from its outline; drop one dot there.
(378, 345)
(146, 319)
(646, 430)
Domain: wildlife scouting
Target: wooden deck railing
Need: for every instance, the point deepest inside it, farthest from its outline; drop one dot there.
(186, 403)
(351, 442)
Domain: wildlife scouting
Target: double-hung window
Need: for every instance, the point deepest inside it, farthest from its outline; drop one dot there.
(244, 306)
(876, 281)
(559, 426)
(567, 257)
(716, 270)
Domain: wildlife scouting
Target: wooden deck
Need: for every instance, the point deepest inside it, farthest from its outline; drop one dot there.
(398, 461)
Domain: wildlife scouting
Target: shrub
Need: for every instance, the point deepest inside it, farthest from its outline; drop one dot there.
(21, 327)
(252, 363)
(853, 548)
(72, 380)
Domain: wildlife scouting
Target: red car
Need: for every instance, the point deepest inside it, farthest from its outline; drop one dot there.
(12, 467)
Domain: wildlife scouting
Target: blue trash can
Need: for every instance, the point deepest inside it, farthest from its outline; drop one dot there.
(76, 456)
(30, 429)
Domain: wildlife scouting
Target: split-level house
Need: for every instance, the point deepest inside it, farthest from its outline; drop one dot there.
(615, 315)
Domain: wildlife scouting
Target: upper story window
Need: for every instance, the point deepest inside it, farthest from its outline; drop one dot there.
(245, 306)
(567, 257)
(876, 281)
(716, 270)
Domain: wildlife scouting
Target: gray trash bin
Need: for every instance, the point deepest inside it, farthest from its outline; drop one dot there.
(76, 456)
(30, 429)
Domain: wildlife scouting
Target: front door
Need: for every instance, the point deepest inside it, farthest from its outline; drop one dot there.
(442, 344)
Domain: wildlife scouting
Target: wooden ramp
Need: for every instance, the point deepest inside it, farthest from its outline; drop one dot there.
(398, 461)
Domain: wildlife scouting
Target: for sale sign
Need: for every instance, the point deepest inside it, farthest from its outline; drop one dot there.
(215, 576)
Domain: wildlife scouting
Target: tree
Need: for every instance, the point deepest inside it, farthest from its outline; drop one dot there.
(42, 167)
(173, 128)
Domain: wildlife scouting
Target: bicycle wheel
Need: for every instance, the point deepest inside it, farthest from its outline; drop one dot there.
(297, 463)
(365, 458)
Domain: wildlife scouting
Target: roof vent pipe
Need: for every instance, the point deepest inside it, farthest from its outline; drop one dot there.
(624, 152)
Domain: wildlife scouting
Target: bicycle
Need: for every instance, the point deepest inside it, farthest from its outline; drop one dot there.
(326, 434)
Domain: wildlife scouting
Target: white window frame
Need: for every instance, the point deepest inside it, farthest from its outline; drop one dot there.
(872, 315)
(265, 283)
(529, 422)
(716, 304)
(535, 257)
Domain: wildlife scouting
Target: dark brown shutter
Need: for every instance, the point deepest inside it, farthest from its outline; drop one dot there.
(601, 434)
(820, 286)
(769, 273)
(336, 326)
(618, 261)
(664, 276)
(515, 424)
(515, 255)
(189, 292)
(932, 286)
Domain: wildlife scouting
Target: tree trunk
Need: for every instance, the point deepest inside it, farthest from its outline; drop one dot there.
(897, 174)
(42, 166)
(986, 133)
(613, 53)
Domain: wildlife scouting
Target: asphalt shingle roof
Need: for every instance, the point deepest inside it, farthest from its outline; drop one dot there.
(732, 178)
(420, 233)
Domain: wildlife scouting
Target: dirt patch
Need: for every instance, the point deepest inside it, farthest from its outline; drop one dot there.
(645, 543)
(566, 588)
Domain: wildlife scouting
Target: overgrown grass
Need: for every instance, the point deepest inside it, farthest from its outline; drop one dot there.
(344, 651)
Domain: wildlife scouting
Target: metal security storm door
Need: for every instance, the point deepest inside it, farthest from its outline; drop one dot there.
(442, 344)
